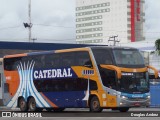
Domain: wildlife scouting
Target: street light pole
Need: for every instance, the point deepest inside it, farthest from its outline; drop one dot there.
(29, 24)
(29, 16)
(114, 40)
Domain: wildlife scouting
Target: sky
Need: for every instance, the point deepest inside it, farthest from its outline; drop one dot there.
(54, 20)
(152, 19)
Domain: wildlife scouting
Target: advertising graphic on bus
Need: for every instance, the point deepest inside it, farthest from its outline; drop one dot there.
(92, 77)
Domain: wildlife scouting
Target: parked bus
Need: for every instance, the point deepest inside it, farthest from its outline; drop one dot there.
(93, 77)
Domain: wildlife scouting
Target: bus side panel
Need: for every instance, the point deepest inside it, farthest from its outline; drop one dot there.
(93, 89)
(76, 95)
(11, 88)
(66, 99)
(12, 78)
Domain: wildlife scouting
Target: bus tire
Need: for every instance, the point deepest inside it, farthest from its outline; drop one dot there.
(124, 109)
(32, 104)
(23, 104)
(95, 105)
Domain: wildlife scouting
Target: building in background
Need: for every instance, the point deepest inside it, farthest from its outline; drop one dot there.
(98, 20)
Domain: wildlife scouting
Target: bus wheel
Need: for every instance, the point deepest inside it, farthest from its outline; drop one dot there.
(32, 104)
(22, 104)
(95, 105)
(124, 109)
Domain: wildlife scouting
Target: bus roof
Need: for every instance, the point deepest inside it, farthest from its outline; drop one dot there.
(112, 47)
(66, 50)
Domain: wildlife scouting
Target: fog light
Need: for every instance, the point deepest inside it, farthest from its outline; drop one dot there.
(121, 103)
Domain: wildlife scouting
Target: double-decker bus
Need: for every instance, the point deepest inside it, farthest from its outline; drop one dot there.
(92, 77)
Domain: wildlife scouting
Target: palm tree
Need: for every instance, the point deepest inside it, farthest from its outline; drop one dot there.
(157, 45)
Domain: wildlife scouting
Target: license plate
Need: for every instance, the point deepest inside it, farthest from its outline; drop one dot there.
(136, 104)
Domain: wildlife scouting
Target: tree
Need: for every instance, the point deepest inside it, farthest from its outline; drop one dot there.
(157, 45)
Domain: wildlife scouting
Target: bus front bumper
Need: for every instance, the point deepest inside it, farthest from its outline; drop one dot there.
(136, 102)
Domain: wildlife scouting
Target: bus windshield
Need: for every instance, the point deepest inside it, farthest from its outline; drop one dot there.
(128, 57)
(134, 83)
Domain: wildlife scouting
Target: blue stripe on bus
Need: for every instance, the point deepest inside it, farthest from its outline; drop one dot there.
(135, 95)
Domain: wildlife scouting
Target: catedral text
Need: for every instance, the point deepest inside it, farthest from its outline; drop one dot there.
(52, 73)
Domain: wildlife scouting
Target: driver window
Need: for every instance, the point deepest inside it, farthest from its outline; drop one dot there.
(108, 78)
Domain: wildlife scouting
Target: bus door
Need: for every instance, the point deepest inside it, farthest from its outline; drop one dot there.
(109, 81)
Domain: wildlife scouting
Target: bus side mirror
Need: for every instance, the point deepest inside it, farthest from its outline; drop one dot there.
(88, 64)
(112, 67)
(155, 71)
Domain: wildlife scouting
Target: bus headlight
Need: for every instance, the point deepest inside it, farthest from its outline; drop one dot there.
(148, 96)
(124, 97)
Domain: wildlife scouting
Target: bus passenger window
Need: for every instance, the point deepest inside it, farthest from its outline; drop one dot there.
(56, 88)
(67, 59)
(83, 59)
(42, 61)
(66, 87)
(102, 56)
